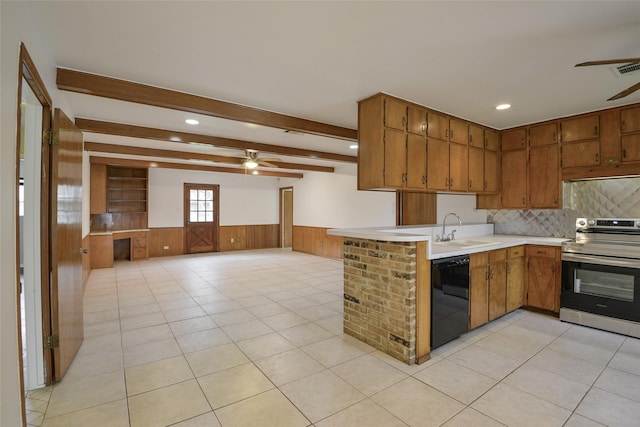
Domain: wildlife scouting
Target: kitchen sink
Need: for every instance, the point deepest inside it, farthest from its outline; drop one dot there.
(465, 243)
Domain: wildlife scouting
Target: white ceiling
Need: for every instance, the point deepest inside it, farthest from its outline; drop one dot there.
(315, 60)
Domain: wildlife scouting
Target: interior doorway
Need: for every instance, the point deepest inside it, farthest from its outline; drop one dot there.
(286, 217)
(32, 227)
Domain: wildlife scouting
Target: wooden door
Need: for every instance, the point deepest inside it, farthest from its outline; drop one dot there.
(66, 242)
(497, 290)
(201, 212)
(478, 297)
(437, 164)
(416, 162)
(458, 131)
(286, 218)
(476, 136)
(514, 139)
(545, 134)
(395, 114)
(541, 280)
(437, 126)
(514, 179)
(491, 140)
(631, 148)
(586, 153)
(476, 169)
(417, 120)
(491, 171)
(458, 167)
(515, 283)
(395, 158)
(580, 128)
(544, 177)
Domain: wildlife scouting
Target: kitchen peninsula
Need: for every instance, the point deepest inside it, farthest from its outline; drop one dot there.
(387, 280)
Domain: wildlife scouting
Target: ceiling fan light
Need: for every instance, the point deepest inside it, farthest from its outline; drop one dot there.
(250, 164)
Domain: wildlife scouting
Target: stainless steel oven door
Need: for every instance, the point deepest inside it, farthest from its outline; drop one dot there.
(601, 285)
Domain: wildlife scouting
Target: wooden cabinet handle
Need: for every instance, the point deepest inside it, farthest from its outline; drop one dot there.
(470, 139)
(597, 157)
(451, 134)
(470, 186)
(554, 136)
(522, 142)
(486, 185)
(595, 131)
(424, 179)
(446, 133)
(624, 153)
(623, 125)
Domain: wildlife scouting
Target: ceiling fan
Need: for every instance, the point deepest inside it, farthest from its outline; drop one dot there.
(252, 160)
(633, 64)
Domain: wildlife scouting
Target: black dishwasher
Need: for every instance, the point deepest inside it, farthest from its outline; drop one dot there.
(449, 299)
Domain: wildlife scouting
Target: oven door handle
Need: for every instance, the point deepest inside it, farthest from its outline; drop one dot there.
(600, 260)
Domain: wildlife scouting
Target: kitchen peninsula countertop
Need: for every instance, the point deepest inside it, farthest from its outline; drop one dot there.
(436, 250)
(110, 233)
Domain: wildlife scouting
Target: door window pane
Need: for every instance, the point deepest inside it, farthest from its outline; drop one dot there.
(201, 206)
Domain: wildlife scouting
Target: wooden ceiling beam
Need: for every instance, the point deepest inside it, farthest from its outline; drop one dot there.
(168, 165)
(122, 90)
(109, 128)
(186, 155)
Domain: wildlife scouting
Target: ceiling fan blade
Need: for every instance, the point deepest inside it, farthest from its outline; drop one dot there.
(270, 159)
(608, 61)
(267, 164)
(625, 92)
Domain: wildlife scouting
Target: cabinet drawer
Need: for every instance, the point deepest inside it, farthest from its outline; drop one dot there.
(497, 255)
(516, 252)
(478, 260)
(541, 251)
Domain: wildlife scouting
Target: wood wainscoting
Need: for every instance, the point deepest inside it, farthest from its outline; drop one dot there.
(170, 237)
(241, 237)
(316, 241)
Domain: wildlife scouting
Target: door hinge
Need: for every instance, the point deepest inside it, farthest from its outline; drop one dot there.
(52, 341)
(49, 137)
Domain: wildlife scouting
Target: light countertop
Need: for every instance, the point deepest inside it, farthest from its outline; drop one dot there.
(109, 233)
(483, 233)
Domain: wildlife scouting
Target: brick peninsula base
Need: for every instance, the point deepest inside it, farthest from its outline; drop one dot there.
(387, 296)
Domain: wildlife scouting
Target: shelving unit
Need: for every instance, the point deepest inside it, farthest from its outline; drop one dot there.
(126, 190)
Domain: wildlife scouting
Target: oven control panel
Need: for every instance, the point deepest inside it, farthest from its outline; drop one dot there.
(583, 224)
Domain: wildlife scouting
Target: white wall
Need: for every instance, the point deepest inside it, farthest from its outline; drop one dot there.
(244, 199)
(332, 200)
(16, 26)
(462, 204)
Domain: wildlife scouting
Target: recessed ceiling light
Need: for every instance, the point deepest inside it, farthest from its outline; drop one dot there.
(503, 106)
(353, 146)
(192, 121)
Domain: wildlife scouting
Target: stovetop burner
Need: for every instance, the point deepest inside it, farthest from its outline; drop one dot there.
(611, 237)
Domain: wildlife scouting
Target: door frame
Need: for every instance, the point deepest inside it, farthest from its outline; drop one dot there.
(27, 71)
(216, 216)
(281, 216)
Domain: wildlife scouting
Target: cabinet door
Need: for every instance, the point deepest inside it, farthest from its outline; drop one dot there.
(458, 167)
(631, 148)
(458, 131)
(630, 120)
(491, 140)
(416, 162)
(476, 136)
(544, 177)
(395, 157)
(541, 283)
(437, 126)
(585, 153)
(543, 134)
(476, 169)
(514, 179)
(395, 114)
(98, 188)
(580, 128)
(515, 283)
(437, 164)
(478, 297)
(514, 139)
(491, 171)
(417, 120)
(497, 290)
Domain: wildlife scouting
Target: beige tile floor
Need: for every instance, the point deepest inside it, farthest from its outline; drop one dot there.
(255, 339)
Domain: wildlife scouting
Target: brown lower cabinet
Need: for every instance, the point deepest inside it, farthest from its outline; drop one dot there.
(544, 266)
(496, 284)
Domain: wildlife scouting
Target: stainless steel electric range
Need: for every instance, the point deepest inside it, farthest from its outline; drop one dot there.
(601, 275)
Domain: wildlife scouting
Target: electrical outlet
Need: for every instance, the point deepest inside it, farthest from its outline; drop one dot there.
(166, 248)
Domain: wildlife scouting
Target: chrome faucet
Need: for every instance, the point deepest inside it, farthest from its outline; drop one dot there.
(450, 236)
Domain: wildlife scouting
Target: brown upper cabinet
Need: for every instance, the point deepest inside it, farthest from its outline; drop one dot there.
(545, 134)
(514, 139)
(631, 148)
(98, 189)
(437, 126)
(630, 120)
(417, 120)
(476, 136)
(395, 114)
(491, 140)
(458, 131)
(580, 128)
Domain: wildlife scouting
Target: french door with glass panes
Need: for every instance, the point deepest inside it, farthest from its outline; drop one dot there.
(201, 207)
